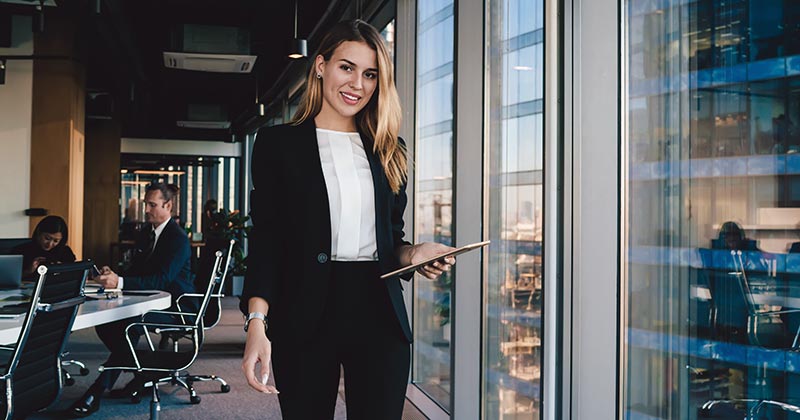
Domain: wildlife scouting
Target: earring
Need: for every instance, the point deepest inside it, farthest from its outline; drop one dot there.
(319, 76)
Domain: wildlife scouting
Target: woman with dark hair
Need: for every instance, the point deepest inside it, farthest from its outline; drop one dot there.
(327, 213)
(48, 245)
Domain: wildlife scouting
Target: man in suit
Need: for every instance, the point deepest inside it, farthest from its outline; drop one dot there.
(161, 262)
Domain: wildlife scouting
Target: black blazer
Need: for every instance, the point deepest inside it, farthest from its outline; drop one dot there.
(167, 268)
(290, 244)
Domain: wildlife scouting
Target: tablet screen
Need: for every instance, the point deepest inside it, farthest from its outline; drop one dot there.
(452, 253)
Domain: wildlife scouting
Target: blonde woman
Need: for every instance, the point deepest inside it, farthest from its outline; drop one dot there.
(327, 208)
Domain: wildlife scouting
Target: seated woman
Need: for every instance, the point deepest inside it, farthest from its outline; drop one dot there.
(48, 245)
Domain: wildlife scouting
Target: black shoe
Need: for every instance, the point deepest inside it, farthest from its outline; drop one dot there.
(131, 390)
(86, 405)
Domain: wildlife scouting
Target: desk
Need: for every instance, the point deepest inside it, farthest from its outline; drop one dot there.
(98, 311)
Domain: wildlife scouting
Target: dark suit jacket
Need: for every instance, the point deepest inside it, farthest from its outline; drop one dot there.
(166, 268)
(290, 245)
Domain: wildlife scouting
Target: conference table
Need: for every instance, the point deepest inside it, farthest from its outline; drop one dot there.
(97, 309)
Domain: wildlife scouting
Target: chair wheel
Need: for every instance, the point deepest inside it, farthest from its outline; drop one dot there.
(69, 381)
(136, 399)
(84, 371)
(704, 413)
(194, 399)
(225, 388)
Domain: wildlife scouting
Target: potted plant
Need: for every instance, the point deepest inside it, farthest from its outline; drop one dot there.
(227, 225)
(442, 306)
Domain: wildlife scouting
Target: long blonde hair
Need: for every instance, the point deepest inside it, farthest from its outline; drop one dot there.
(381, 117)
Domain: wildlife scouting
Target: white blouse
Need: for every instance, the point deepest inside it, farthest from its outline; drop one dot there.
(351, 195)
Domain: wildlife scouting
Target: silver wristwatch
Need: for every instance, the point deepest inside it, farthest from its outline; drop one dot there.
(255, 315)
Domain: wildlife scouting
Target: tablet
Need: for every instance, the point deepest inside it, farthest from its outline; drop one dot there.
(457, 251)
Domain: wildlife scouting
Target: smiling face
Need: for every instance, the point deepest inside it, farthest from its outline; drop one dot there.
(349, 80)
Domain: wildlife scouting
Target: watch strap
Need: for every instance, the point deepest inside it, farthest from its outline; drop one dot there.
(255, 315)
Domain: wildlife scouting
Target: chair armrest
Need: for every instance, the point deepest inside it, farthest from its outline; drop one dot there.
(178, 313)
(159, 325)
(154, 325)
(796, 340)
(782, 405)
(160, 330)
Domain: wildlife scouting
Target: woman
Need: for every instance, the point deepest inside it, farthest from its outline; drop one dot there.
(327, 212)
(48, 245)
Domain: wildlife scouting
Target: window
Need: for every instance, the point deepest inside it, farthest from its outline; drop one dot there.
(513, 288)
(433, 194)
(712, 208)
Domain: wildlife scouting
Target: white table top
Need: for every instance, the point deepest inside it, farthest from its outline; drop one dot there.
(98, 311)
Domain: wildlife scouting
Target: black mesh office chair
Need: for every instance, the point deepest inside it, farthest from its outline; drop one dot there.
(211, 318)
(6, 244)
(32, 368)
(159, 366)
(762, 327)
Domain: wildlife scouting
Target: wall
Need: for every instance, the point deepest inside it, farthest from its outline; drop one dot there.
(15, 131)
(57, 125)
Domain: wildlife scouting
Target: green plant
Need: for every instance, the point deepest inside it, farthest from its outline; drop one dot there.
(232, 225)
(442, 304)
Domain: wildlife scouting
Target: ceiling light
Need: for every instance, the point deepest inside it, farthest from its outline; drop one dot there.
(523, 68)
(298, 47)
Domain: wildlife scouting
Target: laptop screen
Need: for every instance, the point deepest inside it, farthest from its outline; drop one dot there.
(10, 271)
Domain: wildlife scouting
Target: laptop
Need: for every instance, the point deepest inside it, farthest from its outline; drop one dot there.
(10, 271)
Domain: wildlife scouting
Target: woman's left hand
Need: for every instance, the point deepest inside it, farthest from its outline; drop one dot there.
(427, 250)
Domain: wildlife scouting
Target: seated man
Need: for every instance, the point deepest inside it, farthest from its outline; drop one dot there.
(161, 262)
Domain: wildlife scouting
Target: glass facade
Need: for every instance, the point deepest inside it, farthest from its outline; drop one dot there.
(432, 164)
(513, 286)
(712, 209)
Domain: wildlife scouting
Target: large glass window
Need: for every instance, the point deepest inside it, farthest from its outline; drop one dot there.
(433, 194)
(711, 251)
(513, 288)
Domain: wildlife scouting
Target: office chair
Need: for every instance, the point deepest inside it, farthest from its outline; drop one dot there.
(165, 366)
(7, 244)
(210, 320)
(763, 329)
(31, 369)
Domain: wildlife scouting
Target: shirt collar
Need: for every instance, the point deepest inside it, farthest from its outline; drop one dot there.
(160, 228)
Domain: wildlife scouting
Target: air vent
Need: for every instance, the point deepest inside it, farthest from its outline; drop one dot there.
(211, 125)
(215, 63)
(207, 116)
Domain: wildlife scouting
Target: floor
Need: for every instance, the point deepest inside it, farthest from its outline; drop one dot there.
(221, 355)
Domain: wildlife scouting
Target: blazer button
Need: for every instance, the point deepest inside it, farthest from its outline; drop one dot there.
(322, 258)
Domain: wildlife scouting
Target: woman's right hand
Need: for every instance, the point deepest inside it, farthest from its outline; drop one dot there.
(257, 349)
(36, 263)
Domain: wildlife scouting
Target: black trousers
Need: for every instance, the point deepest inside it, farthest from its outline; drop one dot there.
(113, 337)
(357, 331)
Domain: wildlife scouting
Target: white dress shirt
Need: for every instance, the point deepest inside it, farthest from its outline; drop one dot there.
(351, 195)
(158, 229)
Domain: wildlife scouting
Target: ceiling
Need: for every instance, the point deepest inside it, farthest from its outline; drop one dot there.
(124, 43)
